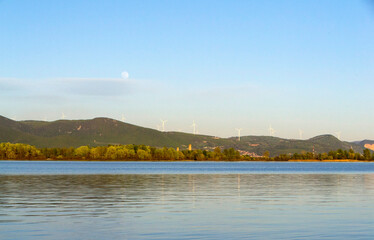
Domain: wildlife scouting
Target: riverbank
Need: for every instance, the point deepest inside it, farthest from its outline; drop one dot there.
(156, 160)
(147, 153)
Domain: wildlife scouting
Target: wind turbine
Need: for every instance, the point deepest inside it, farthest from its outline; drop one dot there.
(194, 127)
(163, 124)
(301, 134)
(123, 118)
(271, 131)
(338, 134)
(63, 116)
(239, 130)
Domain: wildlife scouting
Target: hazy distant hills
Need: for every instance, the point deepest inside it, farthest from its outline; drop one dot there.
(105, 131)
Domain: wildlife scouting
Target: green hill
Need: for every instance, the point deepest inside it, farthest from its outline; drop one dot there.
(105, 131)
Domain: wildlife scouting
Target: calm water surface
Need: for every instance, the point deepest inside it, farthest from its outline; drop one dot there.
(188, 200)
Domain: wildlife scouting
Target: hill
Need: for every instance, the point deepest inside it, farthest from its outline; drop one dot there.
(369, 144)
(105, 131)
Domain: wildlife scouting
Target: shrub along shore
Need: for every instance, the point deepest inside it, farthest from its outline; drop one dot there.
(19, 151)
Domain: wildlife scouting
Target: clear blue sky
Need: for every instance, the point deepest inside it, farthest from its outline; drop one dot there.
(305, 65)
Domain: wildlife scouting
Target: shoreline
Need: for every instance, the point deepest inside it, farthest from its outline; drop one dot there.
(107, 160)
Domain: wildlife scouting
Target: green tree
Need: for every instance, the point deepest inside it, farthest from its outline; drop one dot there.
(231, 154)
(217, 154)
(143, 155)
(367, 154)
(351, 154)
(180, 156)
(159, 154)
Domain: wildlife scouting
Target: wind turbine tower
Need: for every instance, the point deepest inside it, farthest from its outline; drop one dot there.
(271, 131)
(239, 130)
(163, 124)
(194, 127)
(301, 134)
(123, 118)
(338, 134)
(63, 116)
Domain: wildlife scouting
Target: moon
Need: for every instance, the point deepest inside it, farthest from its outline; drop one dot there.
(125, 75)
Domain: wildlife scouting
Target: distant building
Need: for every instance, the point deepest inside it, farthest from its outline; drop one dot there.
(251, 154)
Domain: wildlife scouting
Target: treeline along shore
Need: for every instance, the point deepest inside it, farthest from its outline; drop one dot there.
(19, 151)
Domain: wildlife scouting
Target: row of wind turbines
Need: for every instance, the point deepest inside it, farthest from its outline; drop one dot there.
(162, 126)
(271, 130)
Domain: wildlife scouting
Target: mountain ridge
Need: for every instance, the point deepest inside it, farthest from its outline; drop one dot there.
(106, 131)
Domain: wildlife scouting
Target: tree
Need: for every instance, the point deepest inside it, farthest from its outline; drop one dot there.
(351, 154)
(367, 154)
(172, 154)
(217, 154)
(180, 156)
(143, 155)
(122, 153)
(82, 152)
(95, 153)
(159, 154)
(231, 154)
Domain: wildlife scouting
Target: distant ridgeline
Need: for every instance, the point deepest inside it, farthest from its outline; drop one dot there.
(132, 152)
(104, 131)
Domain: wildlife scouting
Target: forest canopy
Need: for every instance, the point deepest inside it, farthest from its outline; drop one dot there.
(133, 152)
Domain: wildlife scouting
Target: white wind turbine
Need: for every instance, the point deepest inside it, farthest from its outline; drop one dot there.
(123, 119)
(163, 124)
(63, 116)
(194, 127)
(301, 134)
(338, 134)
(271, 131)
(239, 130)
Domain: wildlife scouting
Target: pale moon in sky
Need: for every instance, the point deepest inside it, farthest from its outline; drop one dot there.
(125, 75)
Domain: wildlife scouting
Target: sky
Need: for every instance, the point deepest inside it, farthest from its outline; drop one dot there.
(293, 65)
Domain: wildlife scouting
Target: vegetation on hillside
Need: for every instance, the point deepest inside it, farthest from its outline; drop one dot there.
(142, 152)
(104, 131)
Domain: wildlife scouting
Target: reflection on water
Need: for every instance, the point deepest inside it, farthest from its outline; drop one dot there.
(267, 206)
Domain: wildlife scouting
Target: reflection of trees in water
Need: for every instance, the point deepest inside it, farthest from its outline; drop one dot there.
(99, 191)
